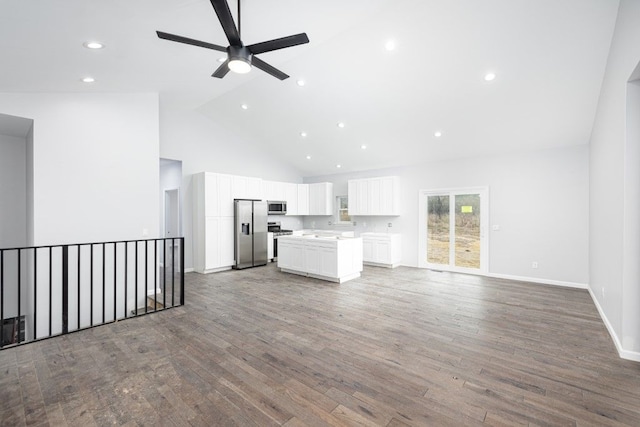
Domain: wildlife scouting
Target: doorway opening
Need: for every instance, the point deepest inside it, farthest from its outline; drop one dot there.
(453, 230)
(171, 205)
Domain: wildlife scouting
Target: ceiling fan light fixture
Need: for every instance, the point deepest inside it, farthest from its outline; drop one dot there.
(239, 59)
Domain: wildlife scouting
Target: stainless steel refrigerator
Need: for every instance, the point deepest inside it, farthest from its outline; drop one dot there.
(250, 233)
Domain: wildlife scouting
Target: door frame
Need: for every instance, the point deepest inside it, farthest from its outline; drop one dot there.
(178, 211)
(484, 229)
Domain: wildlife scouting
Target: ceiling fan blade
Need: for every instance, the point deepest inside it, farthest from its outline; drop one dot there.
(186, 40)
(259, 63)
(280, 43)
(222, 70)
(226, 20)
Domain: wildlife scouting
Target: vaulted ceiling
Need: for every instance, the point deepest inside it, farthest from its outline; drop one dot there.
(548, 56)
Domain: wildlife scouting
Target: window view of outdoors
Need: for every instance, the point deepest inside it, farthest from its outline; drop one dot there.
(343, 209)
(438, 230)
(466, 231)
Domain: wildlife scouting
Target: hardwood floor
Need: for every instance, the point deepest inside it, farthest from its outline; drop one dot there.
(393, 348)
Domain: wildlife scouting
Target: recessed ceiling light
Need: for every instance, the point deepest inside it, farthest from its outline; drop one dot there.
(300, 82)
(88, 80)
(222, 59)
(93, 45)
(490, 77)
(390, 45)
(437, 134)
(364, 147)
(338, 166)
(341, 125)
(244, 106)
(303, 134)
(308, 157)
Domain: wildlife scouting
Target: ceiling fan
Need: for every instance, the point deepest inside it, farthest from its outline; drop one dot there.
(240, 58)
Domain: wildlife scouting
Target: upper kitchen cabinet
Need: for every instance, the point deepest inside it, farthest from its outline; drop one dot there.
(291, 196)
(374, 196)
(245, 187)
(213, 194)
(321, 198)
(303, 199)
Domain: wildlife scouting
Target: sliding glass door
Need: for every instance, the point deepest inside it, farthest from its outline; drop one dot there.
(453, 226)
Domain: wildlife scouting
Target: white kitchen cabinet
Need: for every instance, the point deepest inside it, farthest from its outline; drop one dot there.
(335, 259)
(217, 253)
(321, 198)
(374, 196)
(382, 249)
(269, 247)
(291, 196)
(245, 187)
(303, 199)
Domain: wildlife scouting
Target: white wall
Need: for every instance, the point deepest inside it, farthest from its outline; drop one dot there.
(13, 191)
(204, 146)
(608, 182)
(95, 164)
(540, 200)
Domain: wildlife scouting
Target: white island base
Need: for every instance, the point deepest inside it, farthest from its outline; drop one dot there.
(335, 259)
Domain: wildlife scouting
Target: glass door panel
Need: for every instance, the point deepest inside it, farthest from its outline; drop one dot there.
(438, 230)
(467, 231)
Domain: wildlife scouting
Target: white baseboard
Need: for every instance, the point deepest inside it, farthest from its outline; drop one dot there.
(189, 270)
(541, 281)
(624, 354)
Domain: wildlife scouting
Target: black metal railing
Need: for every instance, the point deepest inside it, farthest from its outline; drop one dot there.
(47, 291)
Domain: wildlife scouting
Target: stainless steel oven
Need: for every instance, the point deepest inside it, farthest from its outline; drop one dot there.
(274, 227)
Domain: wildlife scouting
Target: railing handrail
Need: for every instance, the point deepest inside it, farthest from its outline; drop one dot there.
(60, 245)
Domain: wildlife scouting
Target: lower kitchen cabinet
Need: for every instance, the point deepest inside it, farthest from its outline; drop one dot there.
(332, 259)
(214, 244)
(382, 249)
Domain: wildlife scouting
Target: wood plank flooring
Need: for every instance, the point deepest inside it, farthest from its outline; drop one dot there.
(393, 348)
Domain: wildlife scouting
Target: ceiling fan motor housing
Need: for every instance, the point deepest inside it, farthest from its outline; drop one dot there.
(239, 53)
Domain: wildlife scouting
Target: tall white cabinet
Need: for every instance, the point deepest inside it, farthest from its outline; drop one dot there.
(213, 195)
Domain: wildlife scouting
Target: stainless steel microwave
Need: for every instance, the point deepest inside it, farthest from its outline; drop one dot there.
(277, 207)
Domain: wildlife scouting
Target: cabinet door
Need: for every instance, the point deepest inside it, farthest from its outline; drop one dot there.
(211, 195)
(352, 195)
(225, 231)
(329, 261)
(363, 196)
(212, 252)
(254, 188)
(387, 196)
(312, 259)
(225, 195)
(383, 251)
(240, 187)
(291, 196)
(297, 257)
(303, 199)
(374, 196)
(367, 250)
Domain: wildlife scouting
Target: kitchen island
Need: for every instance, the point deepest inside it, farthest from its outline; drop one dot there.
(332, 258)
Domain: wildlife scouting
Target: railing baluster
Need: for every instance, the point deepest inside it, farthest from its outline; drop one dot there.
(182, 271)
(79, 250)
(126, 277)
(1, 298)
(91, 284)
(115, 282)
(164, 273)
(35, 293)
(146, 274)
(136, 276)
(65, 289)
(50, 289)
(104, 302)
(19, 291)
(173, 272)
(155, 275)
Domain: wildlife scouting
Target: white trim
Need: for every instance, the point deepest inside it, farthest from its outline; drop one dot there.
(189, 270)
(624, 354)
(538, 280)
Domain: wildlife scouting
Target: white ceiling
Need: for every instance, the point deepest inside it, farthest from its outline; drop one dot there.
(549, 57)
